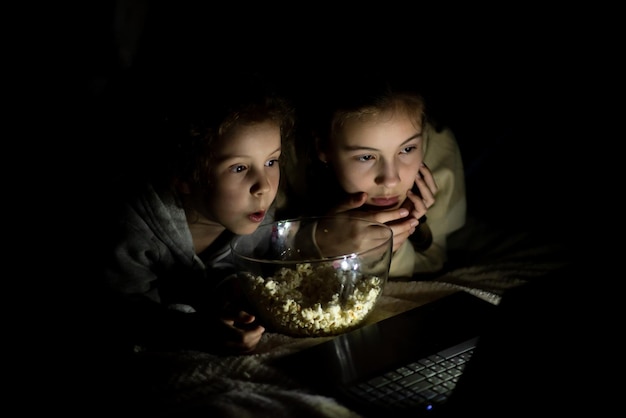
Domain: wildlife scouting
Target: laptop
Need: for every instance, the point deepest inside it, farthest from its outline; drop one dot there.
(491, 359)
(393, 365)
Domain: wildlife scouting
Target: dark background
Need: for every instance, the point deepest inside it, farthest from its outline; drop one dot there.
(516, 84)
(528, 91)
(501, 80)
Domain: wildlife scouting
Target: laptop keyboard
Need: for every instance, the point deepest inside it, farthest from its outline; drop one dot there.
(425, 383)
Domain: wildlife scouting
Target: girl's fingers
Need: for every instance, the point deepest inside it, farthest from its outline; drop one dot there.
(420, 206)
(428, 178)
(383, 216)
(352, 202)
(391, 215)
(245, 318)
(427, 194)
(402, 230)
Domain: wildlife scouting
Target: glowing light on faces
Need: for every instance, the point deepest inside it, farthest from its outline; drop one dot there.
(246, 177)
(380, 156)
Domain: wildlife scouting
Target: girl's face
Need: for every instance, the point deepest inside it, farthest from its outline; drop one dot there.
(245, 178)
(380, 155)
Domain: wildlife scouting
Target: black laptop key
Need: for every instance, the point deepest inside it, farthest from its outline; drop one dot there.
(410, 387)
(411, 379)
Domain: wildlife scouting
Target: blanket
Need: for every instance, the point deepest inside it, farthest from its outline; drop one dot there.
(198, 383)
(192, 383)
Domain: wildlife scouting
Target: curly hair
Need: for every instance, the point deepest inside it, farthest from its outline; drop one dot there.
(197, 115)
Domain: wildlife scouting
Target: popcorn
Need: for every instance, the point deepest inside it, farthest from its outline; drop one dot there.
(308, 301)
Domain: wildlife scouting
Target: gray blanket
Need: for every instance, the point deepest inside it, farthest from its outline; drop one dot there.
(195, 383)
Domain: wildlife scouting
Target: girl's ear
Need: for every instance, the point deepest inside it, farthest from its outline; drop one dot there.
(182, 187)
(321, 155)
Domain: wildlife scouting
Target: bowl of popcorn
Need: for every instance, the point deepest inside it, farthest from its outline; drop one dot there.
(313, 276)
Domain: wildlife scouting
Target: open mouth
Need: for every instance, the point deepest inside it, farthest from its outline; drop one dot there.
(257, 216)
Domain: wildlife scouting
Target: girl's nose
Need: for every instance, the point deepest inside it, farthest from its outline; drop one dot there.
(388, 175)
(261, 184)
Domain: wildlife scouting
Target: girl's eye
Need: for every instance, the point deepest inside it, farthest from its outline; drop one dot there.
(408, 150)
(238, 168)
(271, 163)
(366, 157)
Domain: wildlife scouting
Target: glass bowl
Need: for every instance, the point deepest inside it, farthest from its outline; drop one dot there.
(314, 276)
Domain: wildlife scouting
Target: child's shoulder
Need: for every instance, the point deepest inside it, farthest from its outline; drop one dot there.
(438, 137)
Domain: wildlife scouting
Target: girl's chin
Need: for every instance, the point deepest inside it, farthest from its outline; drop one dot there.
(248, 230)
(245, 229)
(377, 208)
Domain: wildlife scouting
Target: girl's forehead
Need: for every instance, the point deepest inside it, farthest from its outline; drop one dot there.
(397, 126)
(244, 139)
(373, 116)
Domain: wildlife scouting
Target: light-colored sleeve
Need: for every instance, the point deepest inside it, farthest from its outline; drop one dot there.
(443, 156)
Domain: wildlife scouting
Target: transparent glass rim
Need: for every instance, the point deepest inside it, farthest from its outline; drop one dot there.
(310, 219)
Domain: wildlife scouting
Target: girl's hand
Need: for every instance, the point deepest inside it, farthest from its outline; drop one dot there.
(235, 329)
(418, 204)
(399, 220)
(239, 333)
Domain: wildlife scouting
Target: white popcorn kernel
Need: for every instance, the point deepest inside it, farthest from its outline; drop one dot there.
(307, 301)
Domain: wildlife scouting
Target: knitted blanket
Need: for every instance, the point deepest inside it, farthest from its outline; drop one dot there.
(196, 383)
(191, 383)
